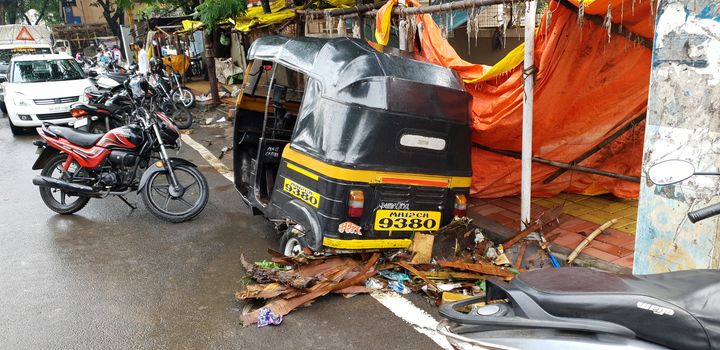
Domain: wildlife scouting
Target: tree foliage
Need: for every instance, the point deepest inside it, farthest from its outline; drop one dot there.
(13, 11)
(212, 12)
(114, 10)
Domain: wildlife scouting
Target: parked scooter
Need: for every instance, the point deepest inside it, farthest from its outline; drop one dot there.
(77, 166)
(579, 308)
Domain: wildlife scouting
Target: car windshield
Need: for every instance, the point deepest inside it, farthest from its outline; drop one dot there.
(48, 70)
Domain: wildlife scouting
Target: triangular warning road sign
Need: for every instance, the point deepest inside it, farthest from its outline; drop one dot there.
(24, 35)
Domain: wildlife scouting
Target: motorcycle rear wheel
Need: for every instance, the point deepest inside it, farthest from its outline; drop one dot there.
(157, 198)
(53, 168)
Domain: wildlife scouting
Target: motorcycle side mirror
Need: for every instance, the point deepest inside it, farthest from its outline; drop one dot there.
(670, 172)
(92, 74)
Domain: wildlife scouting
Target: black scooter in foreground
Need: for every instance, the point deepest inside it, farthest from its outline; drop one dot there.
(580, 308)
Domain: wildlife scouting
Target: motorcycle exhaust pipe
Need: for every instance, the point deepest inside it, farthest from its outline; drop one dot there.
(46, 181)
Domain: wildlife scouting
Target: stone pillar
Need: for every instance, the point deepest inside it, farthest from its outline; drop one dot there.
(683, 122)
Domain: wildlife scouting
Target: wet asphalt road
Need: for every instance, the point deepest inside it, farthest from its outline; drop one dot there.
(108, 277)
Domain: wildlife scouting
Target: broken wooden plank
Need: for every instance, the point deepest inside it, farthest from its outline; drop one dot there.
(265, 291)
(415, 272)
(546, 221)
(422, 245)
(283, 307)
(521, 255)
(451, 275)
(480, 267)
(286, 277)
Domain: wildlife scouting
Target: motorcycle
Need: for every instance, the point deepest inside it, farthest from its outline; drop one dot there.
(580, 308)
(77, 166)
(163, 97)
(177, 91)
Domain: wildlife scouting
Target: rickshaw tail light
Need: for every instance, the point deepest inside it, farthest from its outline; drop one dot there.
(460, 208)
(356, 203)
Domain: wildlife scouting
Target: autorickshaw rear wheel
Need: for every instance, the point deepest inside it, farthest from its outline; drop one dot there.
(291, 244)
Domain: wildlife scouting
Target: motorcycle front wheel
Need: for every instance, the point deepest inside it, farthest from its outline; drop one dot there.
(176, 206)
(179, 114)
(185, 96)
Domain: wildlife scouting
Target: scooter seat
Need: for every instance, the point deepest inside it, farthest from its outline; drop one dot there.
(79, 138)
(679, 309)
(118, 77)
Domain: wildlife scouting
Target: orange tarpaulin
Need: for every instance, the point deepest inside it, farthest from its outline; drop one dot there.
(587, 87)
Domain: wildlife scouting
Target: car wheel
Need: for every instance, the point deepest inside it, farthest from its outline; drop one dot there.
(16, 130)
(3, 107)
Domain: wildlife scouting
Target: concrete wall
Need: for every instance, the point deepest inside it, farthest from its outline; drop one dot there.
(89, 13)
(683, 122)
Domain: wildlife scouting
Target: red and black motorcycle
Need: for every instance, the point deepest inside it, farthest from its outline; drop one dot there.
(77, 166)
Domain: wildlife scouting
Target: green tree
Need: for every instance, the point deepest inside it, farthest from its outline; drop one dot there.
(212, 12)
(114, 10)
(12, 10)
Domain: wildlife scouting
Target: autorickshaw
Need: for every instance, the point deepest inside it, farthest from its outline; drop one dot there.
(347, 146)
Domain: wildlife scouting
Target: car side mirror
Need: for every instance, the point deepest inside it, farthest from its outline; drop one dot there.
(92, 74)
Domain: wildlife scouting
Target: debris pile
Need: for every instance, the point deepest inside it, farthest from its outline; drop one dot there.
(449, 265)
(295, 281)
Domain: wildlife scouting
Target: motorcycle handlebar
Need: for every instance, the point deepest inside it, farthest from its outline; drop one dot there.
(704, 213)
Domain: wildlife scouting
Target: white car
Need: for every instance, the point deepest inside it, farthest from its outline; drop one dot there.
(41, 88)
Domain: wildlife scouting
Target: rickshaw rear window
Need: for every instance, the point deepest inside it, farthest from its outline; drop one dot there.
(293, 80)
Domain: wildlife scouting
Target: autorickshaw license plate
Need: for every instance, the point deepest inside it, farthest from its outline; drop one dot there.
(307, 195)
(407, 220)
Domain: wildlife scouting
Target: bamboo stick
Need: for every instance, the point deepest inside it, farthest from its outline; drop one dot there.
(589, 239)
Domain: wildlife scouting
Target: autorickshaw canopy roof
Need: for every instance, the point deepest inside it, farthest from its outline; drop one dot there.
(352, 71)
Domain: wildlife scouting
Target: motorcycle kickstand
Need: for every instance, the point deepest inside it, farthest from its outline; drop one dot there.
(122, 198)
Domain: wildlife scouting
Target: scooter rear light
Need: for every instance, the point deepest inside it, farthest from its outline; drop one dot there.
(460, 208)
(356, 203)
(77, 113)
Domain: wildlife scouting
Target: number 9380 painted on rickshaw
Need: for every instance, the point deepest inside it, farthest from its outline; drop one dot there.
(346, 146)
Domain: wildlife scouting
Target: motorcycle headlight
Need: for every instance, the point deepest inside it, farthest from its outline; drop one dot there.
(21, 100)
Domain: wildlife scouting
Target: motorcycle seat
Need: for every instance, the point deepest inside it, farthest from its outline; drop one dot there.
(79, 138)
(675, 309)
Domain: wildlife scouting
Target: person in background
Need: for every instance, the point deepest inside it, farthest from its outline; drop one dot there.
(101, 58)
(117, 56)
(108, 54)
(143, 60)
(78, 57)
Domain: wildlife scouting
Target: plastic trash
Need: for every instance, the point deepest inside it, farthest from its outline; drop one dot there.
(394, 275)
(373, 283)
(446, 287)
(266, 318)
(398, 287)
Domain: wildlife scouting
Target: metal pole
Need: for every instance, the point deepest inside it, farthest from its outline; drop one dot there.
(398, 10)
(527, 123)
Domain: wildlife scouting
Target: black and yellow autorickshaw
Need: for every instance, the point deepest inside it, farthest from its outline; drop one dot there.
(347, 147)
